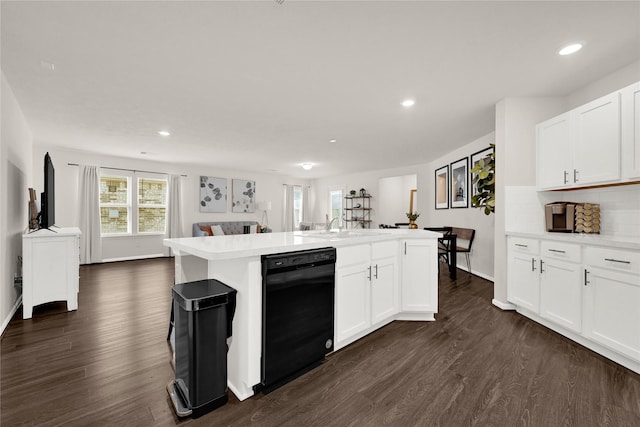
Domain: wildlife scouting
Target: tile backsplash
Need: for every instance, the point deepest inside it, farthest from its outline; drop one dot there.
(619, 208)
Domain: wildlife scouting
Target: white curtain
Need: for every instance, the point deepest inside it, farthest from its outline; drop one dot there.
(174, 214)
(287, 208)
(89, 215)
(305, 203)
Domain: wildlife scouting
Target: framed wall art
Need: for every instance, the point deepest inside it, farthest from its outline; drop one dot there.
(244, 196)
(213, 194)
(458, 187)
(485, 156)
(442, 187)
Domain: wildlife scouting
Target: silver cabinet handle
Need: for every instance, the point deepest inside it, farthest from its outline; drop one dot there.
(376, 275)
(575, 175)
(541, 264)
(533, 264)
(405, 248)
(565, 177)
(521, 246)
(369, 277)
(586, 277)
(617, 260)
(557, 250)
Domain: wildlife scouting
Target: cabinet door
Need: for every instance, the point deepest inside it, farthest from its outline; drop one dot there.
(523, 288)
(384, 282)
(352, 301)
(420, 276)
(612, 310)
(630, 115)
(554, 153)
(561, 293)
(597, 141)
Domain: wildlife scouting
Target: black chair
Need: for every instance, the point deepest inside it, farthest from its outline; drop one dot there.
(447, 246)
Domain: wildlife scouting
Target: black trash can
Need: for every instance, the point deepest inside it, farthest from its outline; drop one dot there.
(203, 313)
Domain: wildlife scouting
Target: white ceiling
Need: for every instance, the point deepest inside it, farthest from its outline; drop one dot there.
(264, 86)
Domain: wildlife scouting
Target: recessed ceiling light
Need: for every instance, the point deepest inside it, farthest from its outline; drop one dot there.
(408, 103)
(307, 166)
(164, 133)
(333, 140)
(568, 50)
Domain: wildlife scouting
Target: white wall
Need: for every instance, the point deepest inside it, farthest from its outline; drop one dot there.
(370, 181)
(483, 248)
(268, 187)
(397, 192)
(15, 178)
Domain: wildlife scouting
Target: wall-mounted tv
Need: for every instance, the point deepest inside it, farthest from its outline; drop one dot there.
(48, 197)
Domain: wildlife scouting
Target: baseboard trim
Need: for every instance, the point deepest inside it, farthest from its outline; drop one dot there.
(503, 305)
(475, 273)
(6, 321)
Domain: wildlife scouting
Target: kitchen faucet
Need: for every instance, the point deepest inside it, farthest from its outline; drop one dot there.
(328, 223)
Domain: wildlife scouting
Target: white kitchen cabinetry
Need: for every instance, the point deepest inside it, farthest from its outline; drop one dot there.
(50, 268)
(631, 132)
(554, 152)
(419, 277)
(581, 147)
(612, 299)
(596, 150)
(561, 284)
(366, 289)
(523, 286)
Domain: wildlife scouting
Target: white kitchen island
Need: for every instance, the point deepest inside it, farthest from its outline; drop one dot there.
(381, 276)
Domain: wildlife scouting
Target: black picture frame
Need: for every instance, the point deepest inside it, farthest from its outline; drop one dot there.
(475, 157)
(441, 193)
(459, 183)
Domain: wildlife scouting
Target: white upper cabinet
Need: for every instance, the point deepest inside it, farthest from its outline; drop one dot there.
(596, 150)
(554, 152)
(596, 143)
(631, 132)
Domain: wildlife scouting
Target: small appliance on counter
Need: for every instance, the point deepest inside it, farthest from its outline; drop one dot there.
(560, 216)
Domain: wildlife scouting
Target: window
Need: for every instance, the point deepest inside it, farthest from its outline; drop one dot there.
(119, 210)
(152, 205)
(335, 203)
(297, 206)
(115, 205)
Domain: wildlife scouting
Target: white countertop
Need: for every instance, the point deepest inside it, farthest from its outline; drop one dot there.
(247, 245)
(583, 239)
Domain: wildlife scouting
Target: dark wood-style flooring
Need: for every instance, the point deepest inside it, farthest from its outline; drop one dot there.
(108, 364)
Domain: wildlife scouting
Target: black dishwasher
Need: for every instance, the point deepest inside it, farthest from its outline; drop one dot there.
(298, 291)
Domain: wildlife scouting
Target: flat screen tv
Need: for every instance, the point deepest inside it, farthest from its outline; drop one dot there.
(48, 197)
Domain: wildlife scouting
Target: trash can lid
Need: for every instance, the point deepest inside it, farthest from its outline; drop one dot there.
(201, 294)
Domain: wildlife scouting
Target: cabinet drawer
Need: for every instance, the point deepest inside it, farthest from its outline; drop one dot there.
(523, 245)
(613, 259)
(559, 250)
(384, 250)
(351, 255)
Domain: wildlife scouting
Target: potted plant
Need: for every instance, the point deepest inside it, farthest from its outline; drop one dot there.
(412, 219)
(352, 193)
(484, 180)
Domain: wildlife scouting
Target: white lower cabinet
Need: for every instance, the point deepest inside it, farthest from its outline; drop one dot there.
(419, 277)
(523, 285)
(561, 284)
(367, 289)
(612, 299)
(588, 293)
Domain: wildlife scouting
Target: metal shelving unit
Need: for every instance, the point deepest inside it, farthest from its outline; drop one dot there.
(357, 211)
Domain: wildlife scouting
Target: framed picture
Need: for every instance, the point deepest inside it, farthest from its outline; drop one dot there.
(244, 196)
(475, 158)
(459, 188)
(213, 194)
(442, 187)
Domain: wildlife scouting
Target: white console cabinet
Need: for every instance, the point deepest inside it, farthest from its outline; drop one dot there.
(50, 268)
